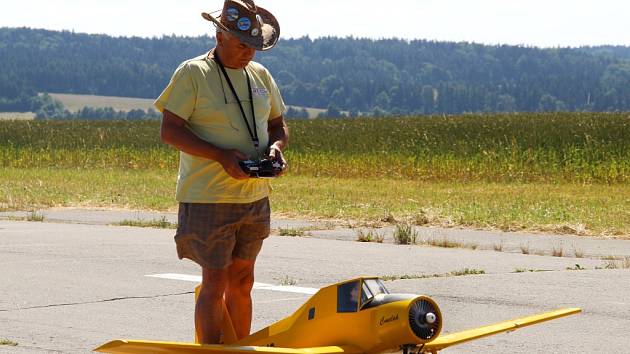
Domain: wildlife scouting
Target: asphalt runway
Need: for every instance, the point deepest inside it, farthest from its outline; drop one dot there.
(67, 288)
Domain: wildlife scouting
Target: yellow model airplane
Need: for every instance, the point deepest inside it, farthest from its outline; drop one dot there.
(352, 317)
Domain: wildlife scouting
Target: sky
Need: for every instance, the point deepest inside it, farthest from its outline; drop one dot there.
(542, 23)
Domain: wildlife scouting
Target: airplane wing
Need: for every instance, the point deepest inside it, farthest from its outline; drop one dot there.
(147, 347)
(460, 337)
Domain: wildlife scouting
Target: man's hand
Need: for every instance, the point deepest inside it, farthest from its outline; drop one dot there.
(275, 154)
(279, 137)
(230, 161)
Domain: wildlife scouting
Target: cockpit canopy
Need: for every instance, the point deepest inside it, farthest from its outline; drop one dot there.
(354, 295)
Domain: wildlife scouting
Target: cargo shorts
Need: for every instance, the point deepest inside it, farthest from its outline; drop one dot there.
(212, 235)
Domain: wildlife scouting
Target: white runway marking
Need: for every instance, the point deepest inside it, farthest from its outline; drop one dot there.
(257, 286)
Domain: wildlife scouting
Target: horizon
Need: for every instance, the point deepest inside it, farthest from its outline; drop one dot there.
(532, 23)
(161, 36)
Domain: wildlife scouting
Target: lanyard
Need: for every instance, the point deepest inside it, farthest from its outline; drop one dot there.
(253, 134)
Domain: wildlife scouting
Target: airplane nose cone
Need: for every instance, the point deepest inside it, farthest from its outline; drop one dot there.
(424, 319)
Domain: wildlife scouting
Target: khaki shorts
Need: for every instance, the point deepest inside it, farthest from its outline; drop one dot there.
(212, 234)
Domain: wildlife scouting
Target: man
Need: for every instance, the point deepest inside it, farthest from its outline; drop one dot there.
(219, 109)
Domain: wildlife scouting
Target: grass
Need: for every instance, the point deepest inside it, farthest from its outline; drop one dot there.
(467, 271)
(497, 148)
(564, 173)
(611, 265)
(486, 205)
(405, 234)
(455, 273)
(292, 232)
(479, 205)
(161, 223)
(524, 270)
(410, 276)
(557, 250)
(370, 236)
(525, 249)
(498, 247)
(508, 148)
(618, 263)
(288, 281)
(443, 242)
(576, 267)
(35, 216)
(472, 246)
(611, 258)
(578, 252)
(8, 342)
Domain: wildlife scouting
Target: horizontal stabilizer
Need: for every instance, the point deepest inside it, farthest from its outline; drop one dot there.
(480, 332)
(147, 347)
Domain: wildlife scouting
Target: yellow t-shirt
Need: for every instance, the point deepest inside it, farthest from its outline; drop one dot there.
(199, 93)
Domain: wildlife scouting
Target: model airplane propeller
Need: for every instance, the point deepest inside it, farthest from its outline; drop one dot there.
(352, 317)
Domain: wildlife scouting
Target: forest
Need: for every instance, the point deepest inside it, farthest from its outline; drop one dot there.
(351, 75)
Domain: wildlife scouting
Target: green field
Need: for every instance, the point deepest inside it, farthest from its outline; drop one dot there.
(553, 172)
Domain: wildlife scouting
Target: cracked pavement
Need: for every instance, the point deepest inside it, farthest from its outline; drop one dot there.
(69, 287)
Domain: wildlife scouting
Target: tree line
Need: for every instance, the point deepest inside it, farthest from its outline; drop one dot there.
(348, 76)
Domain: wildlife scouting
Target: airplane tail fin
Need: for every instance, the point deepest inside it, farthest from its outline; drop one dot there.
(460, 337)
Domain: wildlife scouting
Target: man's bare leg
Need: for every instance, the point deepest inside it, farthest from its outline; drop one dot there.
(238, 295)
(209, 306)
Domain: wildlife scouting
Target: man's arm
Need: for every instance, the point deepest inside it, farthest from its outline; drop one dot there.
(174, 132)
(278, 138)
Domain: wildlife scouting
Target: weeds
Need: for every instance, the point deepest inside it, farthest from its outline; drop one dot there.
(467, 271)
(410, 276)
(8, 342)
(577, 267)
(525, 248)
(524, 270)
(405, 234)
(35, 216)
(423, 218)
(388, 218)
(579, 253)
(370, 236)
(618, 263)
(291, 232)
(611, 265)
(161, 223)
(444, 243)
(288, 281)
(610, 258)
(455, 273)
(498, 247)
(557, 251)
(472, 246)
